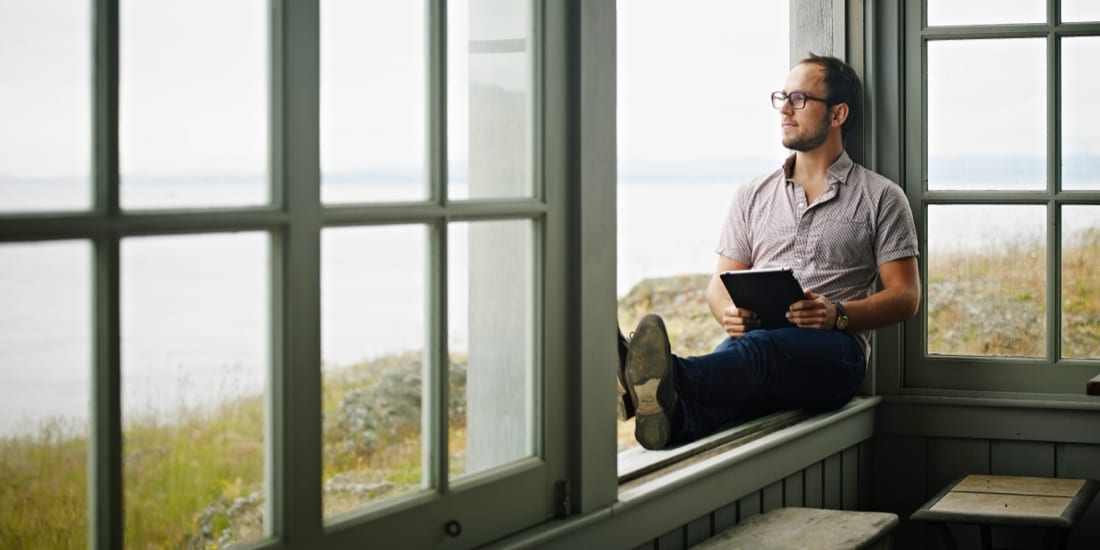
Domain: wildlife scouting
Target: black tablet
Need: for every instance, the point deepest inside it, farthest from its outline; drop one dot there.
(767, 292)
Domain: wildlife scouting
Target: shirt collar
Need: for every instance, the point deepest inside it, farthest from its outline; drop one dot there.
(838, 172)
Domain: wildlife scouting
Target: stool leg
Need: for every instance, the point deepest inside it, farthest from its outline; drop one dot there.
(948, 538)
(987, 537)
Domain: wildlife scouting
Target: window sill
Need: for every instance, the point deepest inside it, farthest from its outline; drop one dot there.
(638, 463)
(682, 485)
(670, 468)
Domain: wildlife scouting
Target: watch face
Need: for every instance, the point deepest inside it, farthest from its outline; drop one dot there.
(842, 322)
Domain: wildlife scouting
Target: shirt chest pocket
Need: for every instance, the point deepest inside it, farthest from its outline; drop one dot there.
(846, 242)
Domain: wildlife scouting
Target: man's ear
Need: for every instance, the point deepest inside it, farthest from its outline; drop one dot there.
(839, 115)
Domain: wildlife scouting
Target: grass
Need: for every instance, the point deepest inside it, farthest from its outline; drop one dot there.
(196, 480)
(994, 302)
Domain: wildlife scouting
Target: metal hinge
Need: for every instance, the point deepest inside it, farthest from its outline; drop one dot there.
(562, 499)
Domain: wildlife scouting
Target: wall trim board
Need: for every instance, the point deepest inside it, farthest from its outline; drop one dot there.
(645, 512)
(981, 418)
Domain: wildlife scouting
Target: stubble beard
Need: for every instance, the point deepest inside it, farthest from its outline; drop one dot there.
(811, 142)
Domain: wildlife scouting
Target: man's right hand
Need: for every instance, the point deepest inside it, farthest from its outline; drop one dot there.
(737, 321)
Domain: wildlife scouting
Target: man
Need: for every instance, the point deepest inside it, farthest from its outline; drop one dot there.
(838, 226)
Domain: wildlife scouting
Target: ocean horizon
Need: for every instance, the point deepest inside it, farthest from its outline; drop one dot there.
(664, 229)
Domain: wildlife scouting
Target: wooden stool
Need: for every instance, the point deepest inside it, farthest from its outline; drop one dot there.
(807, 528)
(986, 500)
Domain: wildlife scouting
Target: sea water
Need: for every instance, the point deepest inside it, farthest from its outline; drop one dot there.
(665, 228)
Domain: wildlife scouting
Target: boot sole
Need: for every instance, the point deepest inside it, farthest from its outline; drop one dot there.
(649, 377)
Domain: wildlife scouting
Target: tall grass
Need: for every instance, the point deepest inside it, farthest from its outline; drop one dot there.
(195, 479)
(994, 302)
(43, 488)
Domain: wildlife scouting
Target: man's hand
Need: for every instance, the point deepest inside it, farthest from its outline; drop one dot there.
(816, 311)
(737, 321)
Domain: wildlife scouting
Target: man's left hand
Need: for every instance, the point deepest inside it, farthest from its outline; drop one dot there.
(816, 311)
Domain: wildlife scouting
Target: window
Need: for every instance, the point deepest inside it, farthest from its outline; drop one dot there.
(1002, 180)
(286, 278)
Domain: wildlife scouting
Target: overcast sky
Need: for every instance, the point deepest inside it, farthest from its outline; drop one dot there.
(693, 81)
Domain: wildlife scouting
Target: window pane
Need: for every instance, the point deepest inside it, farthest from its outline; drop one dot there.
(373, 319)
(489, 98)
(1081, 282)
(373, 82)
(987, 114)
(491, 314)
(193, 103)
(1080, 113)
(987, 280)
(1080, 10)
(45, 369)
(195, 325)
(45, 105)
(985, 12)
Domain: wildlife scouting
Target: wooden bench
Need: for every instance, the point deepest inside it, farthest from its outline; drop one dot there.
(987, 500)
(809, 529)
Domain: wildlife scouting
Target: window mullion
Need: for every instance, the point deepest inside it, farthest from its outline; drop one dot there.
(295, 470)
(1054, 186)
(105, 452)
(437, 357)
(105, 490)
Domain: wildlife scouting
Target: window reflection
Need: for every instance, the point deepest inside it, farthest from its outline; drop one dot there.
(489, 100)
(491, 319)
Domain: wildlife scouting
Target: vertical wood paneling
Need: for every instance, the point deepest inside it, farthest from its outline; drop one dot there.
(812, 483)
(866, 474)
(773, 496)
(792, 490)
(1022, 458)
(849, 479)
(948, 460)
(748, 506)
(832, 483)
(697, 531)
(725, 517)
(672, 540)
(1082, 461)
(899, 477)
(831, 467)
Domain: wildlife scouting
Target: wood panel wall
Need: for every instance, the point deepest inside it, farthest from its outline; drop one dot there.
(840, 481)
(908, 470)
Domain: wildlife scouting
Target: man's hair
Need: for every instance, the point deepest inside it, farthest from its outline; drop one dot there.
(843, 84)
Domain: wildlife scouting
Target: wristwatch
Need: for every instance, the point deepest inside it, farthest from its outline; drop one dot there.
(841, 316)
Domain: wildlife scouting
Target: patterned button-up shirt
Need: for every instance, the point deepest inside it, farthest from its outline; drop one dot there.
(834, 245)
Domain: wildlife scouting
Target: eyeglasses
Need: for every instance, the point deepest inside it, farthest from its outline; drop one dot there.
(796, 99)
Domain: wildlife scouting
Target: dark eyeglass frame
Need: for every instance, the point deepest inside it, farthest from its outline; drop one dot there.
(797, 99)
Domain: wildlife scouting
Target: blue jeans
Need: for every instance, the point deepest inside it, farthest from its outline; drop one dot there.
(763, 372)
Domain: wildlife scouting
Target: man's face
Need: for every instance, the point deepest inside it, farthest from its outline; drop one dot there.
(805, 129)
